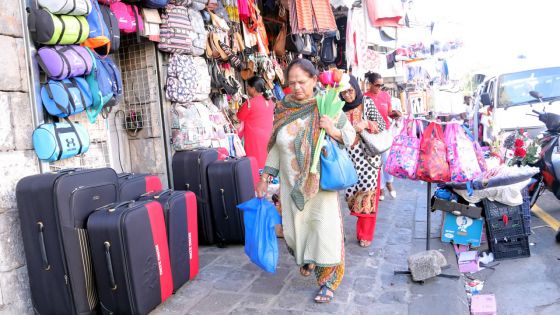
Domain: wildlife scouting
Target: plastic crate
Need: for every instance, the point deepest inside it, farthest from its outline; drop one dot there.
(514, 247)
(498, 229)
(526, 210)
(493, 209)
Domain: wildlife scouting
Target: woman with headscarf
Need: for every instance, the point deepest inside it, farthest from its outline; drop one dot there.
(311, 217)
(363, 198)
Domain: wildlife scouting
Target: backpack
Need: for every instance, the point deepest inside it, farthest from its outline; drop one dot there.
(128, 16)
(341, 42)
(105, 83)
(114, 34)
(182, 79)
(176, 30)
(155, 4)
(98, 31)
(199, 34)
(203, 87)
(57, 141)
(329, 48)
(67, 97)
(61, 62)
(191, 126)
(49, 29)
(75, 7)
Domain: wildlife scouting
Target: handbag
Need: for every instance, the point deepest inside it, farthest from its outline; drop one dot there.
(463, 163)
(403, 157)
(294, 43)
(432, 159)
(337, 169)
(375, 144)
(280, 44)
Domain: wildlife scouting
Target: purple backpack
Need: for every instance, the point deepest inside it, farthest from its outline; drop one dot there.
(62, 62)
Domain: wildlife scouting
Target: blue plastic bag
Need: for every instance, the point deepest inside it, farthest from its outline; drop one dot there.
(261, 246)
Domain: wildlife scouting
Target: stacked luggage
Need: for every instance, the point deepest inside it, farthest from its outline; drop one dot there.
(90, 248)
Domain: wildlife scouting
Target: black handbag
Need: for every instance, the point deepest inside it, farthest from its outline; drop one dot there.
(294, 43)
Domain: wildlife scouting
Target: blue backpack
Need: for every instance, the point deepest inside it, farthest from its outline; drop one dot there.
(67, 97)
(155, 4)
(106, 86)
(57, 141)
(99, 37)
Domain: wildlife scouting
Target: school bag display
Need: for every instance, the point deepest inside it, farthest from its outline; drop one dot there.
(65, 61)
(329, 48)
(128, 16)
(105, 83)
(114, 34)
(203, 85)
(57, 141)
(181, 79)
(175, 30)
(67, 97)
(74, 7)
(49, 29)
(98, 32)
(198, 32)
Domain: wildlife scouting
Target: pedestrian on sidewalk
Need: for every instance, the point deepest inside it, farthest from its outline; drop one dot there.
(382, 101)
(311, 217)
(363, 198)
(257, 114)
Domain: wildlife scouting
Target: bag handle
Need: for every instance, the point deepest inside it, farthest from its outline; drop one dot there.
(108, 262)
(115, 205)
(42, 247)
(226, 216)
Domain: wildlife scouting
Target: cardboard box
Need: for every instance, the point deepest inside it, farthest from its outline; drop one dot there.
(461, 230)
(483, 304)
(468, 261)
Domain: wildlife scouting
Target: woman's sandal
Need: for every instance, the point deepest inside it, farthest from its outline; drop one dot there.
(306, 269)
(364, 243)
(323, 295)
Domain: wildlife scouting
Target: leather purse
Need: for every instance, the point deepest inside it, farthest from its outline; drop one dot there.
(294, 43)
(337, 169)
(280, 44)
(375, 144)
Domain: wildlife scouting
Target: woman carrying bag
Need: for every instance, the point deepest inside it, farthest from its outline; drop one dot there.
(363, 198)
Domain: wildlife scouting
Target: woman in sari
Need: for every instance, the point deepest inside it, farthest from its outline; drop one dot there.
(311, 217)
(363, 198)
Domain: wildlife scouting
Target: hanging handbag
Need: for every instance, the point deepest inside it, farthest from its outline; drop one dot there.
(337, 169)
(463, 163)
(432, 159)
(294, 43)
(375, 143)
(403, 157)
(280, 44)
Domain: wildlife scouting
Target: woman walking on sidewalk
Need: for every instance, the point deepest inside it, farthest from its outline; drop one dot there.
(363, 198)
(382, 101)
(256, 114)
(311, 217)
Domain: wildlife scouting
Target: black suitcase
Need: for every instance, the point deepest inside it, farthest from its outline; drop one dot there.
(130, 257)
(53, 209)
(231, 183)
(132, 186)
(190, 173)
(179, 208)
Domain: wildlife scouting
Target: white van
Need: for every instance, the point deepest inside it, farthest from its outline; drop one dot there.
(515, 94)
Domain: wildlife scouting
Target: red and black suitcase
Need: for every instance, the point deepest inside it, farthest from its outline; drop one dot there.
(53, 210)
(179, 209)
(190, 172)
(130, 257)
(231, 183)
(132, 186)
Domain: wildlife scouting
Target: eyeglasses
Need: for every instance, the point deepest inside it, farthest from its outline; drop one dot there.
(379, 85)
(347, 92)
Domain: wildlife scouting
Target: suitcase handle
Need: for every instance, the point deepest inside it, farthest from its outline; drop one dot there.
(110, 265)
(114, 206)
(42, 246)
(68, 170)
(157, 195)
(226, 216)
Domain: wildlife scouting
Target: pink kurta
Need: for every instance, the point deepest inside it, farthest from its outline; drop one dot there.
(257, 115)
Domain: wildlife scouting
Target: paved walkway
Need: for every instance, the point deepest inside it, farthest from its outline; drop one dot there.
(228, 283)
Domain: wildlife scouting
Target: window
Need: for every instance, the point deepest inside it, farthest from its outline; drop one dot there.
(514, 88)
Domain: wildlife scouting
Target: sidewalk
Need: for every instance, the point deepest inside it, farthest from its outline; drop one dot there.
(228, 283)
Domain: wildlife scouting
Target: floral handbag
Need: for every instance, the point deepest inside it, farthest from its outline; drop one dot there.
(403, 157)
(463, 163)
(432, 159)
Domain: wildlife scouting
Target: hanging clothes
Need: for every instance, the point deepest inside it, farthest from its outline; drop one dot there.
(307, 16)
(384, 12)
(356, 46)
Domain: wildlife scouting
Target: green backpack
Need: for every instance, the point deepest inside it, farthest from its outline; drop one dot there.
(50, 29)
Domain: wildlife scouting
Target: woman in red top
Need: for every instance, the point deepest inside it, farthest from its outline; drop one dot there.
(257, 115)
(382, 101)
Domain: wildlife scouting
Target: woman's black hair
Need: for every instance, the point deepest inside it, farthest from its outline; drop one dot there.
(373, 76)
(258, 84)
(305, 65)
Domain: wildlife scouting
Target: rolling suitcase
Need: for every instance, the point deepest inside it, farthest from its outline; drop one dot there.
(53, 209)
(132, 186)
(179, 209)
(130, 257)
(190, 173)
(230, 183)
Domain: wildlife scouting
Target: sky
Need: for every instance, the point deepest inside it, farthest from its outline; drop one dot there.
(495, 32)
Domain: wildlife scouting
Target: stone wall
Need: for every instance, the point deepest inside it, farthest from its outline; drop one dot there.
(17, 158)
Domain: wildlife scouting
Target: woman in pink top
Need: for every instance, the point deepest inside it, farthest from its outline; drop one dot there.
(382, 101)
(257, 115)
